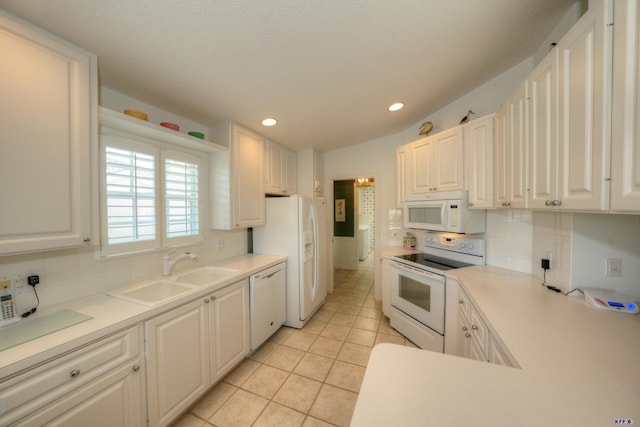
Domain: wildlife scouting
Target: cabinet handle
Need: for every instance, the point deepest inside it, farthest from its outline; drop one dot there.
(74, 373)
(469, 204)
(474, 327)
(135, 368)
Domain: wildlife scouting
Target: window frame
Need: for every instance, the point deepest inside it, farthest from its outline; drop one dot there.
(160, 152)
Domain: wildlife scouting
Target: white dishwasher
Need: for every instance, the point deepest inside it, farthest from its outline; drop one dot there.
(268, 303)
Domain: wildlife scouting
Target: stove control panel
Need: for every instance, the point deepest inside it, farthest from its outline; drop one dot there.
(454, 242)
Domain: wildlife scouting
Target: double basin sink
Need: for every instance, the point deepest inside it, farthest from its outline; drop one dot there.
(156, 293)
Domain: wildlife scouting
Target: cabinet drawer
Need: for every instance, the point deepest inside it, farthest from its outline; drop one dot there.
(27, 392)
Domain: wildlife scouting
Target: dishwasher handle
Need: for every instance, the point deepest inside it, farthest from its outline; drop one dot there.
(267, 273)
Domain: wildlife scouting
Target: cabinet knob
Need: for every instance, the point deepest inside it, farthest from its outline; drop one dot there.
(206, 300)
(135, 368)
(474, 327)
(465, 329)
(548, 203)
(74, 373)
(213, 298)
(460, 301)
(86, 239)
(467, 335)
(557, 203)
(469, 204)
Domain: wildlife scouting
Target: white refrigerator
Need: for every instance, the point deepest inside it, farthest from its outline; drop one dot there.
(295, 227)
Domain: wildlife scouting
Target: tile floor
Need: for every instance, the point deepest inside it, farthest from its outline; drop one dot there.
(306, 377)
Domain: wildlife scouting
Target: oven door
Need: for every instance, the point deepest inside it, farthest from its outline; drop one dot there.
(419, 294)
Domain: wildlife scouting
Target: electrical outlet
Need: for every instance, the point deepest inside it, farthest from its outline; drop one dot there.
(612, 267)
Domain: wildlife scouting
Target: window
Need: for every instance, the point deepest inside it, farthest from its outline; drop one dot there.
(150, 197)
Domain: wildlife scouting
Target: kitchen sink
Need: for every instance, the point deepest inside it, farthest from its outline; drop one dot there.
(152, 294)
(205, 276)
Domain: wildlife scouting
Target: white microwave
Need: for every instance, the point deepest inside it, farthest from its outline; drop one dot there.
(444, 211)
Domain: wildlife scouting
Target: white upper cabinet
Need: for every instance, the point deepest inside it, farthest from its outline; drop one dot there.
(280, 169)
(625, 144)
(48, 117)
(501, 156)
(310, 166)
(237, 179)
(584, 116)
(436, 162)
(511, 142)
(543, 133)
(479, 141)
(402, 174)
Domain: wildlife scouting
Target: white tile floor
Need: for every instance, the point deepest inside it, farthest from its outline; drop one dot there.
(304, 377)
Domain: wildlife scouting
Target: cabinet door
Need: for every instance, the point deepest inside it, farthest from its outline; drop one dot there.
(448, 160)
(464, 336)
(248, 167)
(543, 132)
(49, 135)
(274, 168)
(421, 169)
(501, 157)
(115, 399)
(479, 161)
(229, 324)
(177, 361)
(402, 168)
(625, 141)
(318, 173)
(517, 139)
(289, 172)
(584, 73)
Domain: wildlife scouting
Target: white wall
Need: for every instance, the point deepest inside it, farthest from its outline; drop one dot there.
(600, 236)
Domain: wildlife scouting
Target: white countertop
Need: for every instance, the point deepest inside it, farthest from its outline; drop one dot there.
(580, 365)
(110, 314)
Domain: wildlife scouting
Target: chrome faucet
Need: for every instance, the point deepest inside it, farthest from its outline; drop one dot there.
(168, 263)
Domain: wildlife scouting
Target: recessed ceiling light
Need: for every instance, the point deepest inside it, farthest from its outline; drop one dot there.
(269, 121)
(397, 106)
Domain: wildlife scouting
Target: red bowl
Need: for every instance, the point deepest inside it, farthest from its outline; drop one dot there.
(170, 125)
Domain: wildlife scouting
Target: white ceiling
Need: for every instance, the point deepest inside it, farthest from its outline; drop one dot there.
(326, 69)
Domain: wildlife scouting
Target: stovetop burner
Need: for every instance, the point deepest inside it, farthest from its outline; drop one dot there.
(433, 261)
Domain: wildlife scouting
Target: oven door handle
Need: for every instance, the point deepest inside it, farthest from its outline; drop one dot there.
(408, 268)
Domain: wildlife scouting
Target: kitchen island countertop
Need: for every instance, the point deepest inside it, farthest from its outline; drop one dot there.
(579, 365)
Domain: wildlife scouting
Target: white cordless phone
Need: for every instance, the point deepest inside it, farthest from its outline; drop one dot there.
(8, 313)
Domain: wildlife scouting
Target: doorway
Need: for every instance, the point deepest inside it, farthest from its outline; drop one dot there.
(354, 233)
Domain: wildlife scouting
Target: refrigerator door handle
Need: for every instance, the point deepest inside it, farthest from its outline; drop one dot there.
(314, 228)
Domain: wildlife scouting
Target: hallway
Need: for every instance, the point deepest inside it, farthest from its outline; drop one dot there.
(308, 377)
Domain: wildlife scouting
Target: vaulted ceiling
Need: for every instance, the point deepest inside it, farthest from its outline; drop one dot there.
(326, 69)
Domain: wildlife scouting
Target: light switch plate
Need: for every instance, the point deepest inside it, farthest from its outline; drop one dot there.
(612, 267)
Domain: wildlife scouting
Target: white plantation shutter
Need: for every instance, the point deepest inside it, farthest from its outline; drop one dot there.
(181, 197)
(150, 196)
(129, 196)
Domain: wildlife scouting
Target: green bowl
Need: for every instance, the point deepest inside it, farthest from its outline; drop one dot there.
(197, 134)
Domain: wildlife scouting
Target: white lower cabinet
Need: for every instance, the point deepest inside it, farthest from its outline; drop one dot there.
(229, 326)
(191, 347)
(100, 384)
(475, 338)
